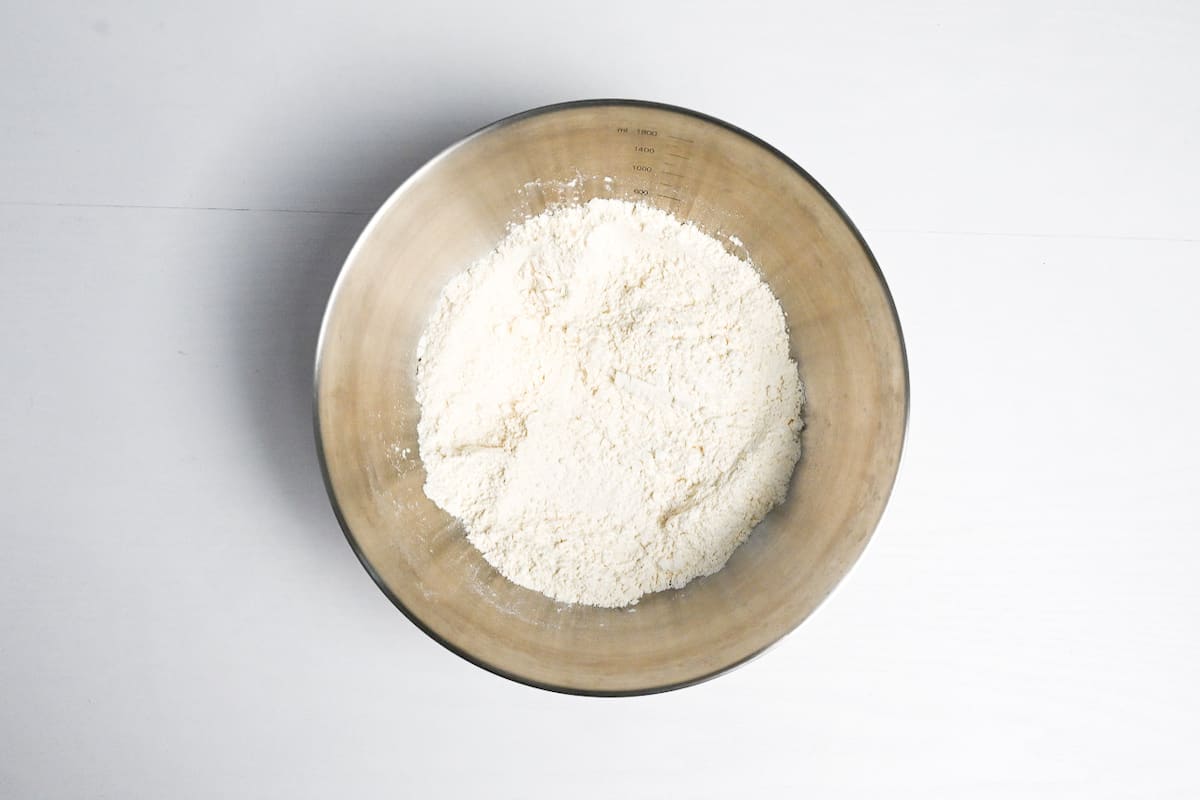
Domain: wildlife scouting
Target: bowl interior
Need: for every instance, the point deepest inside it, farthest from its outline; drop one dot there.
(844, 335)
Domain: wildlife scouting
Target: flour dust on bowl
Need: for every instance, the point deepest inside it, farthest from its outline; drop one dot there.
(841, 331)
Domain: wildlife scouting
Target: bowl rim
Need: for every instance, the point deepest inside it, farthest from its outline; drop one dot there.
(395, 196)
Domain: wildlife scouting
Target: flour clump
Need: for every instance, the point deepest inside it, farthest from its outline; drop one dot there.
(607, 403)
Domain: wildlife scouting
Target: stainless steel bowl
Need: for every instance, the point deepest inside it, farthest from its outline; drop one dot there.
(844, 332)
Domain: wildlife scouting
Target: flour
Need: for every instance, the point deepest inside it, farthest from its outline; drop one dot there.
(607, 403)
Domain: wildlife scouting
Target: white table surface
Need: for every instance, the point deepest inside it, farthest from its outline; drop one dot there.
(180, 616)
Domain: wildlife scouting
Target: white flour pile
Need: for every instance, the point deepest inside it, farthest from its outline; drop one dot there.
(607, 403)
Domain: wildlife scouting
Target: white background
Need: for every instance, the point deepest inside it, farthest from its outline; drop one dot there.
(179, 613)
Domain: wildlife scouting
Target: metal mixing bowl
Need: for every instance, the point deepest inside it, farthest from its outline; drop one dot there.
(845, 337)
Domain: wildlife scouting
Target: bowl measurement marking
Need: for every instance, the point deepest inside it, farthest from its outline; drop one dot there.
(650, 148)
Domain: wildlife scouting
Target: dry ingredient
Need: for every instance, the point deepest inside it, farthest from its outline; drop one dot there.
(607, 403)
